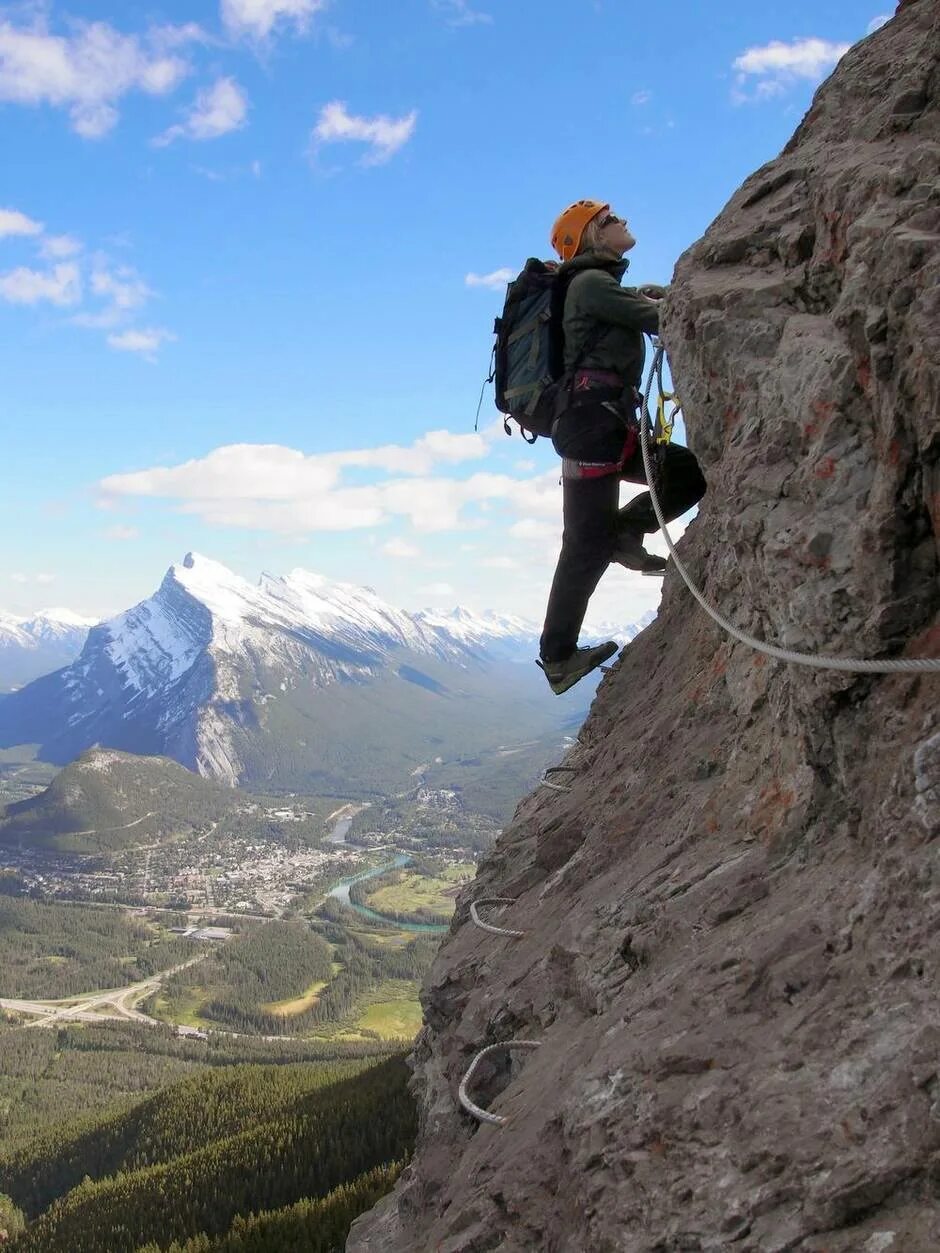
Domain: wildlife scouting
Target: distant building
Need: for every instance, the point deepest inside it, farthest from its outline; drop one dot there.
(212, 933)
(192, 1033)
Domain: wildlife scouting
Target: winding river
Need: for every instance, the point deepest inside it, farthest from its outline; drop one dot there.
(341, 894)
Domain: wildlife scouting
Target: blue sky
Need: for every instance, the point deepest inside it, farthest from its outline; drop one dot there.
(251, 252)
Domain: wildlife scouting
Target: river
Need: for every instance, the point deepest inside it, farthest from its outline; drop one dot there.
(341, 894)
(344, 817)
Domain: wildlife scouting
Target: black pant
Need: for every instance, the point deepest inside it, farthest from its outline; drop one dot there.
(593, 524)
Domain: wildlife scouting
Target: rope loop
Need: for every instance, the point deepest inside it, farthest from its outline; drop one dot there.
(482, 1115)
(486, 926)
(888, 665)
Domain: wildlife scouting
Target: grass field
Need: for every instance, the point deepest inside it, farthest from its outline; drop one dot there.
(417, 894)
(292, 1007)
(183, 1009)
(393, 1012)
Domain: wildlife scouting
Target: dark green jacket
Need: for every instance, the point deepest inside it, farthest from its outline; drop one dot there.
(595, 303)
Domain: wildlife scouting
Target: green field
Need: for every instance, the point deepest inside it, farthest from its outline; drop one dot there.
(394, 1013)
(421, 895)
(310, 996)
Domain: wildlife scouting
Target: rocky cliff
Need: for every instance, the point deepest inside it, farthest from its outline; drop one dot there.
(732, 919)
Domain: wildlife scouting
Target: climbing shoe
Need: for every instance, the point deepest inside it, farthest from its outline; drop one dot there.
(629, 552)
(564, 674)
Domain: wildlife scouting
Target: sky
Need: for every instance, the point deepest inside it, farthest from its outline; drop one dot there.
(251, 252)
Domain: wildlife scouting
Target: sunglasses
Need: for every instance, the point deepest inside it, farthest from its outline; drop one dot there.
(610, 219)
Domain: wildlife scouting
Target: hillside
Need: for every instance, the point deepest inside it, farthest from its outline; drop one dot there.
(109, 800)
(728, 958)
(185, 1162)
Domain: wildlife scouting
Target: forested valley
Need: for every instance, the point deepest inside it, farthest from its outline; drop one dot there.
(222, 1159)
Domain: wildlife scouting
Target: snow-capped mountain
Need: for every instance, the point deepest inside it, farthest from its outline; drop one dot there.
(492, 633)
(503, 635)
(39, 644)
(294, 681)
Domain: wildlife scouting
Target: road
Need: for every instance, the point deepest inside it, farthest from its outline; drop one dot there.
(100, 830)
(92, 1008)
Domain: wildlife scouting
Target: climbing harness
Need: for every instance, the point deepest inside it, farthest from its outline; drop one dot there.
(497, 1120)
(487, 926)
(905, 665)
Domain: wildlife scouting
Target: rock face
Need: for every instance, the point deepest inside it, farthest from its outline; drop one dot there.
(731, 919)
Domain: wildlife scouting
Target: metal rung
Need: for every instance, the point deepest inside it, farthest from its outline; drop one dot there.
(486, 926)
(482, 1115)
(557, 787)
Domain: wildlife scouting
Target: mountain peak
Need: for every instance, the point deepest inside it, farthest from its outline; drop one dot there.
(224, 593)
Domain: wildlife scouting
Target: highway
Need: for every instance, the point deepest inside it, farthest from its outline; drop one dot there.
(121, 1002)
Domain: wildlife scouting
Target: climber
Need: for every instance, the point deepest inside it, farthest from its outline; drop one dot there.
(596, 434)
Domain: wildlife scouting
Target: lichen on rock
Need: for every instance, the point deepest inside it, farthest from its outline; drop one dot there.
(731, 919)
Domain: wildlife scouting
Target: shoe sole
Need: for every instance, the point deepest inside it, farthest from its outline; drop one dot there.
(571, 679)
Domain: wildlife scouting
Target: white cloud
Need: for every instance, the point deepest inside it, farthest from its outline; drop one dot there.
(438, 589)
(876, 23)
(165, 38)
(145, 340)
(216, 111)
(57, 247)
(45, 578)
(282, 490)
(123, 287)
(256, 19)
(495, 279)
(499, 563)
(399, 548)
(383, 135)
(12, 222)
(531, 529)
(121, 532)
(773, 68)
(60, 285)
(86, 71)
(459, 12)
(641, 97)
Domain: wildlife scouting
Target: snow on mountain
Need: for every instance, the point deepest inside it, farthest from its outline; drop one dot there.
(623, 632)
(497, 634)
(357, 613)
(35, 645)
(509, 636)
(230, 677)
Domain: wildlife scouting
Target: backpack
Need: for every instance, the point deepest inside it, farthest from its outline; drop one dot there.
(528, 356)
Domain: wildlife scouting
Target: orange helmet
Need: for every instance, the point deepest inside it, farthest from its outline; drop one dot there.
(570, 223)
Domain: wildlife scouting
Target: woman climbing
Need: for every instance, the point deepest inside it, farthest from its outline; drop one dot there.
(596, 434)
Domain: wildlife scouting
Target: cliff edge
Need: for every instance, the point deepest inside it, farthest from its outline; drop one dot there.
(731, 918)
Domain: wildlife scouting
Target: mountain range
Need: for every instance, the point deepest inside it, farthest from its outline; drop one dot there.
(293, 682)
(30, 647)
